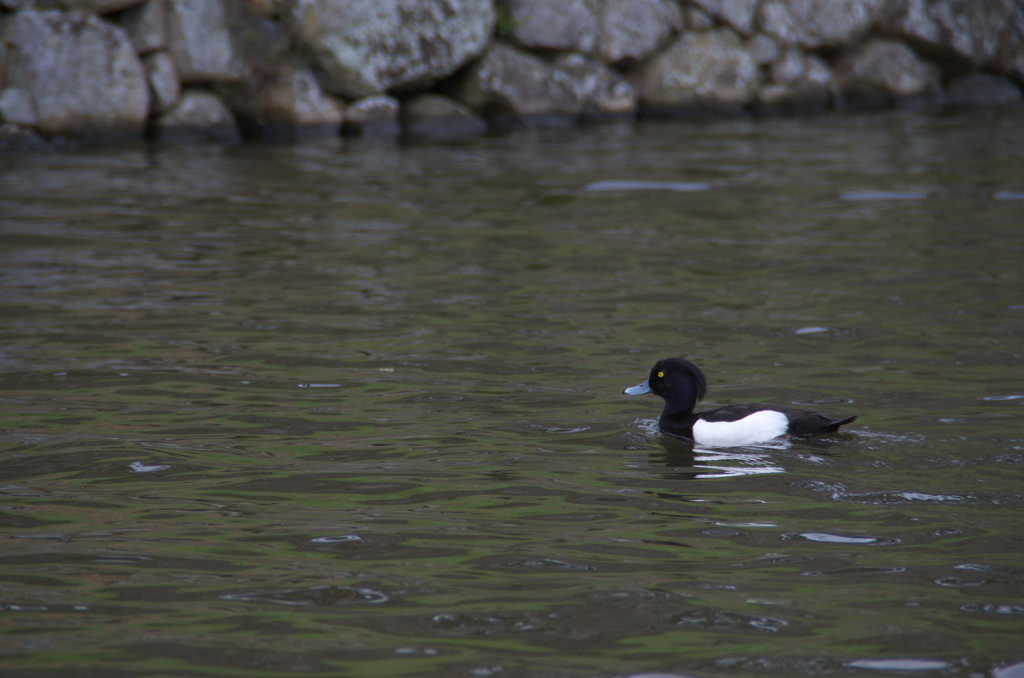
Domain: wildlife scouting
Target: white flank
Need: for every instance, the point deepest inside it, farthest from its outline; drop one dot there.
(759, 427)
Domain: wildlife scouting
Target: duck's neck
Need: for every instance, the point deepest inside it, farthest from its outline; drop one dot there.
(680, 401)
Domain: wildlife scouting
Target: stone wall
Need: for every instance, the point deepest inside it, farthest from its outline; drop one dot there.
(221, 70)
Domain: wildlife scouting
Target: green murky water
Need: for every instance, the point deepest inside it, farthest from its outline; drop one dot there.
(356, 411)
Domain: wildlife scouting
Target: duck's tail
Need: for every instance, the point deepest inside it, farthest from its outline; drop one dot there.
(815, 423)
(833, 426)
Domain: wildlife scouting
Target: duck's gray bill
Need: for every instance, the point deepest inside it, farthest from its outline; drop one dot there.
(639, 389)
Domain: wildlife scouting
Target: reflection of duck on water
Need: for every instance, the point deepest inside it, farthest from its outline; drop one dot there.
(682, 385)
(680, 459)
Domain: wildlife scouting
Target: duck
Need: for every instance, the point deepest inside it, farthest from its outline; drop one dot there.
(682, 385)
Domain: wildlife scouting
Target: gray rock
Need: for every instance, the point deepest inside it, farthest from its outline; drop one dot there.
(164, 84)
(880, 71)
(800, 83)
(1010, 59)
(790, 68)
(910, 20)
(438, 118)
(221, 41)
(700, 72)
(20, 138)
(94, 6)
(971, 31)
(374, 116)
(294, 107)
(509, 85)
(982, 89)
(763, 49)
(818, 23)
(371, 46)
(199, 117)
(740, 14)
(17, 107)
(697, 19)
(603, 91)
(146, 26)
(566, 25)
(76, 72)
(775, 19)
(632, 30)
(201, 42)
(265, 8)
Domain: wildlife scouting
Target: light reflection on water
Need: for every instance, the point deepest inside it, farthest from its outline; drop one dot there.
(358, 409)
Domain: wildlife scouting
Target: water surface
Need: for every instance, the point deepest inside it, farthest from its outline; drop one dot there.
(356, 410)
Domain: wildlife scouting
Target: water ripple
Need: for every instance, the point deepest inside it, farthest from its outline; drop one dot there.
(679, 187)
(316, 595)
(899, 664)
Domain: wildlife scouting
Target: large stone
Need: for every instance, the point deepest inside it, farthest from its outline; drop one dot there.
(146, 26)
(3, 48)
(800, 83)
(700, 72)
(507, 83)
(199, 117)
(366, 47)
(566, 25)
(775, 19)
(764, 49)
(740, 14)
(880, 70)
(76, 73)
(818, 23)
(377, 115)
(265, 8)
(164, 84)
(603, 91)
(982, 89)
(293, 106)
(20, 138)
(632, 30)
(201, 42)
(697, 19)
(95, 6)
(438, 118)
(17, 107)
(1010, 60)
(221, 41)
(969, 30)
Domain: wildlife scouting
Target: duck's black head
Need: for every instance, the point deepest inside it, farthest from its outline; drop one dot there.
(678, 381)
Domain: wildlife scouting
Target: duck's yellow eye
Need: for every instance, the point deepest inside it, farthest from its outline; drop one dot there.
(660, 375)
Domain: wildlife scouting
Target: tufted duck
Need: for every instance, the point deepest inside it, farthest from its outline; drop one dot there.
(682, 385)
